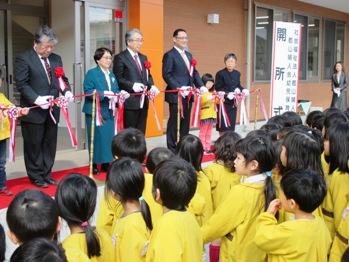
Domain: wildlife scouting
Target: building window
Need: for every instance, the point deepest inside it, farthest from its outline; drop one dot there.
(309, 53)
(334, 34)
(264, 40)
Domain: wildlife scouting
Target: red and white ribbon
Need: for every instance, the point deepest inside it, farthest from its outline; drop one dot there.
(222, 112)
(141, 101)
(51, 101)
(62, 103)
(243, 112)
(119, 118)
(262, 108)
(195, 119)
(99, 118)
(151, 97)
(12, 114)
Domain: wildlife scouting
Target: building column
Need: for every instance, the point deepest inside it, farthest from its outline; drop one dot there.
(147, 15)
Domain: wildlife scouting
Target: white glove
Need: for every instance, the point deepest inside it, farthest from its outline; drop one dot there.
(231, 95)
(221, 94)
(124, 94)
(203, 89)
(337, 91)
(184, 91)
(246, 92)
(154, 90)
(138, 87)
(42, 101)
(237, 91)
(108, 94)
(69, 96)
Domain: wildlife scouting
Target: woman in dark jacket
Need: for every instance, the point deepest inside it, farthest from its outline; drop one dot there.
(228, 81)
(339, 84)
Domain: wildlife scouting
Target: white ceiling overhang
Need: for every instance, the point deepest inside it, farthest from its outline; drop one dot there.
(339, 5)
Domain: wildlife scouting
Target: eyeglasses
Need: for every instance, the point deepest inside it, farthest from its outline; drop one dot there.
(138, 40)
(107, 57)
(182, 37)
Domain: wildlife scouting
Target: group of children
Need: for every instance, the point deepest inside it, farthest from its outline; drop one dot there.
(279, 194)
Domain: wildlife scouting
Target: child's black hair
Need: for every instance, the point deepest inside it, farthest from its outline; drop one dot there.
(278, 119)
(208, 77)
(39, 250)
(190, 149)
(156, 156)
(126, 179)
(302, 152)
(130, 142)
(177, 180)
(318, 122)
(334, 119)
(224, 148)
(338, 137)
(272, 130)
(306, 187)
(76, 197)
(261, 150)
(292, 118)
(32, 214)
(2, 243)
(310, 117)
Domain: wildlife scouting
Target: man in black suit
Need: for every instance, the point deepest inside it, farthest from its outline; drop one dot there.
(176, 67)
(129, 66)
(37, 83)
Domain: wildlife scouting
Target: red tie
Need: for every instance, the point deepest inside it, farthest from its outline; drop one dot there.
(48, 68)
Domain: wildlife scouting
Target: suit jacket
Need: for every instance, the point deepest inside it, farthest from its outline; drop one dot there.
(95, 80)
(31, 82)
(227, 81)
(127, 73)
(176, 74)
(343, 81)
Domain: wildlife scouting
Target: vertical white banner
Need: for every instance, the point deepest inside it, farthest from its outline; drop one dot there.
(285, 67)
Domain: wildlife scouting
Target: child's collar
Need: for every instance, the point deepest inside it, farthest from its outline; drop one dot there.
(253, 179)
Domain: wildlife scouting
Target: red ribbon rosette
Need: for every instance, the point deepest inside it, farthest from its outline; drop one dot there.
(192, 66)
(147, 64)
(59, 73)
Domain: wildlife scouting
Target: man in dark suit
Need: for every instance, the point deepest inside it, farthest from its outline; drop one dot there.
(37, 83)
(129, 66)
(176, 67)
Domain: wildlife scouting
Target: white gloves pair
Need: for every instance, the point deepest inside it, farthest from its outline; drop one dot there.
(184, 91)
(112, 96)
(139, 87)
(337, 91)
(42, 101)
(231, 95)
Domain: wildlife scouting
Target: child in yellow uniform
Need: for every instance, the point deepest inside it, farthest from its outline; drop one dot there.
(299, 151)
(176, 236)
(190, 149)
(131, 232)
(306, 238)
(4, 135)
(208, 113)
(340, 241)
(154, 158)
(221, 173)
(131, 143)
(235, 219)
(336, 200)
(76, 199)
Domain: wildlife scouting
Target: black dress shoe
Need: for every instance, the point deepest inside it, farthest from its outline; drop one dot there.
(105, 167)
(39, 183)
(50, 181)
(95, 170)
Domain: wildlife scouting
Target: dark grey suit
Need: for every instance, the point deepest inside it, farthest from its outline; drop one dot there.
(176, 74)
(38, 130)
(127, 73)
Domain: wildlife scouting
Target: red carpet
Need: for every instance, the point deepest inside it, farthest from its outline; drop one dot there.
(19, 184)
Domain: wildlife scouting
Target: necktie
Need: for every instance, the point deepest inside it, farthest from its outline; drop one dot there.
(48, 69)
(186, 60)
(138, 65)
